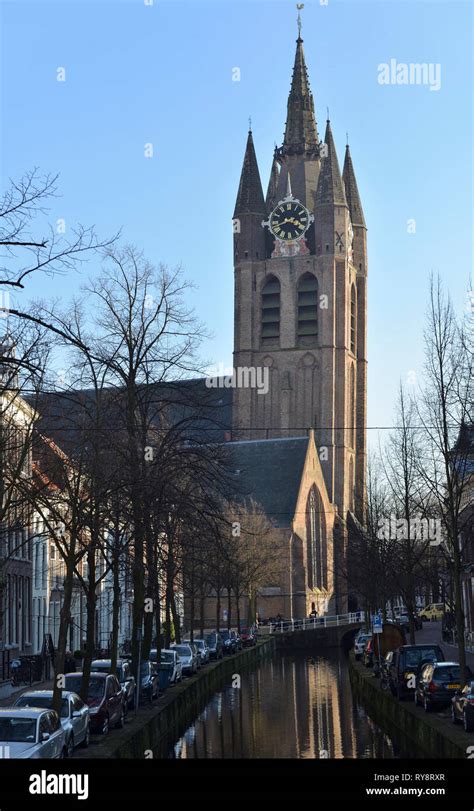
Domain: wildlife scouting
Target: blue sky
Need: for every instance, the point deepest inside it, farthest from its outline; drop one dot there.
(137, 74)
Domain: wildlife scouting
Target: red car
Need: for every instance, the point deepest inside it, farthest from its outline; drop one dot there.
(248, 637)
(105, 699)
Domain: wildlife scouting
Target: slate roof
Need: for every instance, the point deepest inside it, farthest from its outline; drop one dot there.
(330, 190)
(250, 199)
(352, 192)
(270, 472)
(301, 132)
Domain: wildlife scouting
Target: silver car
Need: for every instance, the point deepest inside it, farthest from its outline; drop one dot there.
(74, 714)
(170, 657)
(202, 650)
(188, 656)
(31, 732)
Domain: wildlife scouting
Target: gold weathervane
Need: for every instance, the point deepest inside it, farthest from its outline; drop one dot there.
(299, 6)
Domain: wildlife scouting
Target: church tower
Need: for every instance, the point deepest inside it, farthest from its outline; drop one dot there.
(300, 265)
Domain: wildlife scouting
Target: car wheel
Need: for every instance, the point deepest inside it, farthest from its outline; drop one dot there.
(454, 717)
(105, 726)
(467, 723)
(426, 705)
(85, 742)
(70, 746)
(416, 699)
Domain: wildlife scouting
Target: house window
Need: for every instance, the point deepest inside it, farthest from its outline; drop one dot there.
(271, 311)
(307, 309)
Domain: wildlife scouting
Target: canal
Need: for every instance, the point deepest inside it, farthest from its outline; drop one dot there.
(292, 705)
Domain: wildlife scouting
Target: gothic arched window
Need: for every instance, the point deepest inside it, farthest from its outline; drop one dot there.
(316, 542)
(351, 484)
(352, 414)
(307, 309)
(271, 311)
(353, 320)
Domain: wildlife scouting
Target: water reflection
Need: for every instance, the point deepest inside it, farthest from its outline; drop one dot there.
(292, 706)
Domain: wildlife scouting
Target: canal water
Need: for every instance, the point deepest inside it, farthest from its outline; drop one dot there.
(291, 706)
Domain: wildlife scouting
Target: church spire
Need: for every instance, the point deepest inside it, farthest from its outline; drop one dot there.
(330, 186)
(301, 133)
(352, 192)
(271, 198)
(250, 198)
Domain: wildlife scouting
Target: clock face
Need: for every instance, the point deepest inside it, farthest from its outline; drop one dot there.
(289, 220)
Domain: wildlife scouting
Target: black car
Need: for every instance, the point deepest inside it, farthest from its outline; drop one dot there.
(402, 666)
(229, 642)
(149, 681)
(462, 707)
(214, 643)
(437, 683)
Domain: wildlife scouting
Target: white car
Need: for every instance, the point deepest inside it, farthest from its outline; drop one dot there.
(74, 714)
(359, 645)
(171, 657)
(188, 656)
(202, 650)
(31, 732)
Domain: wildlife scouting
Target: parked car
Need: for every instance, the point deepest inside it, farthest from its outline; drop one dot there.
(203, 650)
(171, 658)
(462, 707)
(149, 681)
(229, 642)
(248, 637)
(73, 714)
(433, 611)
(437, 683)
(359, 645)
(188, 656)
(237, 640)
(214, 643)
(195, 651)
(105, 700)
(124, 675)
(402, 666)
(403, 620)
(31, 732)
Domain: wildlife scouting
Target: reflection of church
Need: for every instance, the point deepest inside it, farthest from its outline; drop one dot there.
(300, 312)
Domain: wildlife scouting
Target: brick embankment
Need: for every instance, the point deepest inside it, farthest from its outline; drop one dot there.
(423, 734)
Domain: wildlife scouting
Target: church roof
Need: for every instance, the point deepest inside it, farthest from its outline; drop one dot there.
(272, 199)
(352, 192)
(330, 186)
(250, 199)
(269, 471)
(301, 132)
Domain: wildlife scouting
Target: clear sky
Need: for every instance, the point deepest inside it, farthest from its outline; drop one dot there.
(163, 74)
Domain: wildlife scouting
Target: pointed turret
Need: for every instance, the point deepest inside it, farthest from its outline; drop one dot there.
(352, 192)
(330, 186)
(250, 198)
(271, 199)
(249, 236)
(301, 133)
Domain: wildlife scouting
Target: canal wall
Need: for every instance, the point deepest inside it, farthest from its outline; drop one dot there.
(148, 734)
(421, 734)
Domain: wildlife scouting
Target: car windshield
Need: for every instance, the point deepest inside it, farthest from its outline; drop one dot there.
(183, 650)
(450, 673)
(144, 668)
(415, 655)
(211, 640)
(96, 686)
(22, 730)
(100, 668)
(167, 657)
(199, 643)
(45, 702)
(244, 631)
(225, 635)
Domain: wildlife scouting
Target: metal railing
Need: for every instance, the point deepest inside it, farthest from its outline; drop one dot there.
(352, 618)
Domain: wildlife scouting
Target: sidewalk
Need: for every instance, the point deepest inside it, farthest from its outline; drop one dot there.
(432, 633)
(17, 691)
